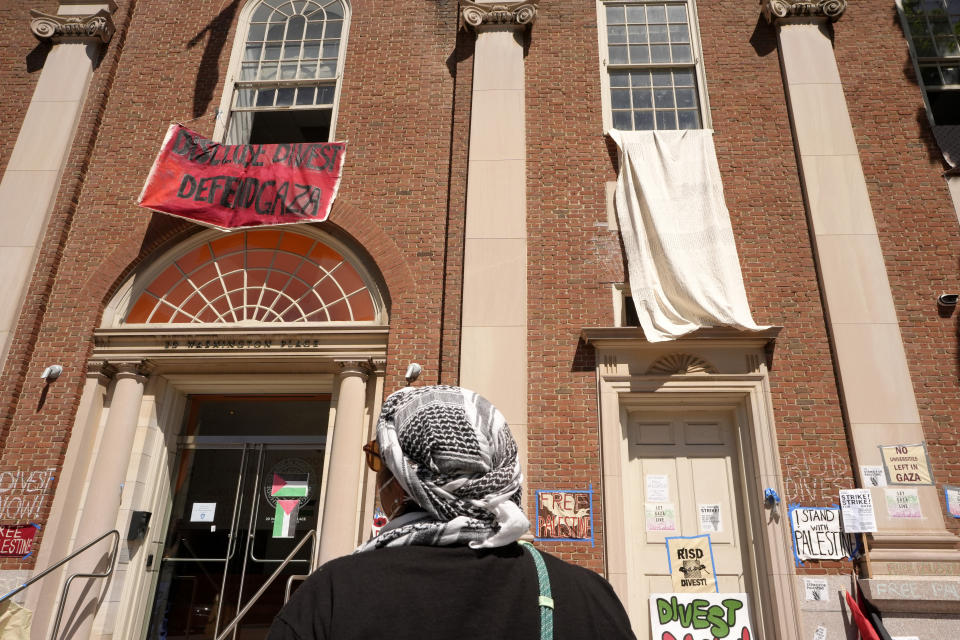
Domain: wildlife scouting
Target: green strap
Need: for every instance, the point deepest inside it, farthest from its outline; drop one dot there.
(546, 597)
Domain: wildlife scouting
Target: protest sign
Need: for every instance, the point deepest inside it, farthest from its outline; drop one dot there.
(817, 534)
(16, 540)
(873, 475)
(903, 503)
(565, 515)
(858, 514)
(906, 464)
(690, 559)
(952, 496)
(815, 589)
(245, 185)
(660, 516)
(710, 521)
(709, 616)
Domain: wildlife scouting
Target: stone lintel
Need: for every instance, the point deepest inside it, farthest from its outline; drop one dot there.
(776, 10)
(55, 27)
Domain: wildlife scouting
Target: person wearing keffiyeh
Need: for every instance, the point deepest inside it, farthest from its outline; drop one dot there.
(447, 564)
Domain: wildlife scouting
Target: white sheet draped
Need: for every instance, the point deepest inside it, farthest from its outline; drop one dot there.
(681, 257)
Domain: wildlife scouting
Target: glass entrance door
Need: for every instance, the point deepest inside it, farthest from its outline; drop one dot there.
(246, 490)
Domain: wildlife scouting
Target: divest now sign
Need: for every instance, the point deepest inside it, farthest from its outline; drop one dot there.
(243, 185)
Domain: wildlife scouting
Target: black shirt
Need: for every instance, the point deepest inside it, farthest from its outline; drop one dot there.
(448, 592)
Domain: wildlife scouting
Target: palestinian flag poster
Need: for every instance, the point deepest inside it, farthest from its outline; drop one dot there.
(288, 489)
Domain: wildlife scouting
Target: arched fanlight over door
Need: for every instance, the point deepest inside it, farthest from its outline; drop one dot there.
(256, 276)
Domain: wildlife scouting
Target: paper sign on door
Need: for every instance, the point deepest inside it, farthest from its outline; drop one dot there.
(203, 511)
(661, 516)
(690, 559)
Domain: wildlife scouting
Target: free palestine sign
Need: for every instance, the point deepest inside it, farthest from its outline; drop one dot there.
(242, 185)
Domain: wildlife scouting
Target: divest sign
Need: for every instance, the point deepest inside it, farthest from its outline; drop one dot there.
(245, 185)
(708, 616)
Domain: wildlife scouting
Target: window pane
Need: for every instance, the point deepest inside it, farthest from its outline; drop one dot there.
(248, 71)
(252, 52)
(291, 51)
(615, 14)
(688, 120)
(262, 13)
(326, 70)
(639, 53)
(686, 98)
(299, 5)
(663, 98)
(930, 75)
(616, 34)
(618, 55)
(619, 78)
(679, 33)
(640, 78)
(924, 47)
(245, 97)
(658, 33)
(334, 27)
(637, 34)
(656, 14)
(643, 120)
(315, 29)
(325, 94)
(334, 10)
(271, 52)
(948, 47)
(677, 13)
(308, 70)
(622, 120)
(288, 71)
(951, 75)
(285, 97)
(660, 53)
(268, 71)
(662, 78)
(636, 14)
(642, 99)
(681, 53)
(683, 77)
(295, 27)
(305, 95)
(265, 97)
(620, 98)
(331, 49)
(275, 31)
(666, 120)
(311, 49)
(256, 32)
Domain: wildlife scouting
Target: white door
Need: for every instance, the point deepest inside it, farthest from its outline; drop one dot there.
(683, 461)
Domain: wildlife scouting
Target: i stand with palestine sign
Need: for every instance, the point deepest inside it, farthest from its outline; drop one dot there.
(243, 185)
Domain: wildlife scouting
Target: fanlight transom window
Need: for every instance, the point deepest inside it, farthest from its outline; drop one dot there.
(257, 276)
(291, 55)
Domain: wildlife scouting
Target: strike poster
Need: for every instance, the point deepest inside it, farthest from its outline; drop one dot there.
(709, 616)
(690, 559)
(245, 185)
(906, 464)
(858, 514)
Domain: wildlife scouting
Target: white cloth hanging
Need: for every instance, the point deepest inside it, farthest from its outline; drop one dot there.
(681, 257)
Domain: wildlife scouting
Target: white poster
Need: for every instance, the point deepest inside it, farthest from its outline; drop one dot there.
(203, 511)
(710, 518)
(700, 616)
(816, 533)
(952, 495)
(873, 475)
(858, 514)
(903, 503)
(815, 589)
(658, 488)
(820, 633)
(661, 516)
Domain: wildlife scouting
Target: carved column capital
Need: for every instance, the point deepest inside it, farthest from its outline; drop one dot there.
(361, 368)
(500, 14)
(98, 25)
(776, 10)
(140, 369)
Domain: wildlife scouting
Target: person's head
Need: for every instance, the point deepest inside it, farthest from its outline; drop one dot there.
(449, 452)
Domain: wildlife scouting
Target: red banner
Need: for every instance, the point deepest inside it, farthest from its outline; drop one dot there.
(242, 185)
(16, 540)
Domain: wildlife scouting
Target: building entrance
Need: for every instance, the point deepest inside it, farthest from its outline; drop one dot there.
(245, 490)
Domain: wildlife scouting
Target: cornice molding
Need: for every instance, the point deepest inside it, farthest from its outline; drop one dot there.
(776, 10)
(501, 14)
(98, 26)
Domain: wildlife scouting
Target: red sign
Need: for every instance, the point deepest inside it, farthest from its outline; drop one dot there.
(16, 540)
(242, 185)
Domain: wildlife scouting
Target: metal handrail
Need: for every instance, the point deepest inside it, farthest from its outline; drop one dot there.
(105, 574)
(54, 567)
(273, 576)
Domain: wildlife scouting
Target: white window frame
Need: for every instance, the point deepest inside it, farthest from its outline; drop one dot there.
(915, 59)
(225, 111)
(706, 122)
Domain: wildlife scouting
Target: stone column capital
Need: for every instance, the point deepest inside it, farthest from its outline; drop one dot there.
(139, 369)
(777, 10)
(498, 14)
(97, 26)
(360, 368)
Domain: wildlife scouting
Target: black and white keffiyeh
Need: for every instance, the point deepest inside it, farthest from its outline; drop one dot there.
(452, 452)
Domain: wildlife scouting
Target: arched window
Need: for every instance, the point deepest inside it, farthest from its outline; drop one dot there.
(252, 277)
(286, 71)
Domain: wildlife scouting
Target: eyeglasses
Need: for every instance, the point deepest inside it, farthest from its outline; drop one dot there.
(372, 450)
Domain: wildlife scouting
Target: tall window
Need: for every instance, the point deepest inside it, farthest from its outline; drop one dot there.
(286, 84)
(651, 56)
(933, 29)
